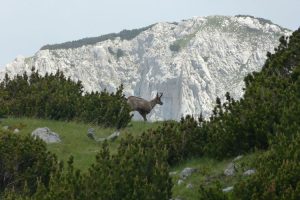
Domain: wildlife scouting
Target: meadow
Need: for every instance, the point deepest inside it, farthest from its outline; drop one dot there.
(76, 143)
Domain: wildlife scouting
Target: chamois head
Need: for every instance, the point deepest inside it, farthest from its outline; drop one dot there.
(158, 99)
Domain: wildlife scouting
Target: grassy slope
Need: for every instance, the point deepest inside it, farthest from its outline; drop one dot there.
(75, 142)
(209, 171)
(74, 137)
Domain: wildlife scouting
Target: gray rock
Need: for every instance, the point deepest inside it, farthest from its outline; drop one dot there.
(172, 173)
(100, 139)
(249, 172)
(114, 135)
(228, 189)
(187, 172)
(179, 182)
(5, 127)
(91, 133)
(46, 135)
(16, 130)
(238, 158)
(230, 170)
(189, 186)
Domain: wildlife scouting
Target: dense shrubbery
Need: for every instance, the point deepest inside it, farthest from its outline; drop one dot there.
(212, 193)
(269, 111)
(52, 96)
(56, 97)
(271, 105)
(22, 160)
(180, 140)
(278, 172)
(137, 171)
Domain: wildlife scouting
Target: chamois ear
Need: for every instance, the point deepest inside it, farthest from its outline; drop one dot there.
(156, 94)
(160, 95)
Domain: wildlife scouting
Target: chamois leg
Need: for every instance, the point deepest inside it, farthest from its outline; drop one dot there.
(144, 116)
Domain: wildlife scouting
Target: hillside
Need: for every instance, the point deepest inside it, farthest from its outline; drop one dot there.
(192, 61)
(76, 143)
(193, 158)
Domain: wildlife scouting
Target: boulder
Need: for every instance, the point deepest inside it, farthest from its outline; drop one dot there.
(189, 186)
(230, 170)
(91, 133)
(114, 135)
(100, 139)
(187, 172)
(172, 173)
(179, 182)
(228, 189)
(238, 158)
(16, 130)
(249, 172)
(46, 135)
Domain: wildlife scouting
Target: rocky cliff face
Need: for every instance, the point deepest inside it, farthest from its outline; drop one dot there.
(191, 62)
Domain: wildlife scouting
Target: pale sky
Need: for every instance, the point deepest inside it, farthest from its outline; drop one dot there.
(27, 25)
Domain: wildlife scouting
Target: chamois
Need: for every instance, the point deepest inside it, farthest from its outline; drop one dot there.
(143, 106)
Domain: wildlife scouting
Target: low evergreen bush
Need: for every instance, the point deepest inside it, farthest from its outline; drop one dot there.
(278, 172)
(59, 98)
(22, 161)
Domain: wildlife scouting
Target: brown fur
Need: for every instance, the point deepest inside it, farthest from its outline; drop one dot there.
(143, 106)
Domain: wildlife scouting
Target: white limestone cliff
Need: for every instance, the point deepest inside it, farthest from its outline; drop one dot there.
(209, 56)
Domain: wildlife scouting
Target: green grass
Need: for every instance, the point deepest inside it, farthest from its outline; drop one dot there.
(182, 43)
(74, 137)
(75, 142)
(209, 172)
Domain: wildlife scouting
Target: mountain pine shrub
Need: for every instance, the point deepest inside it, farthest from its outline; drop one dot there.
(137, 171)
(278, 172)
(59, 98)
(23, 160)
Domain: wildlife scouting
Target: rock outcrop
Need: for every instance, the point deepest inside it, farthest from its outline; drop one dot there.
(191, 62)
(46, 135)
